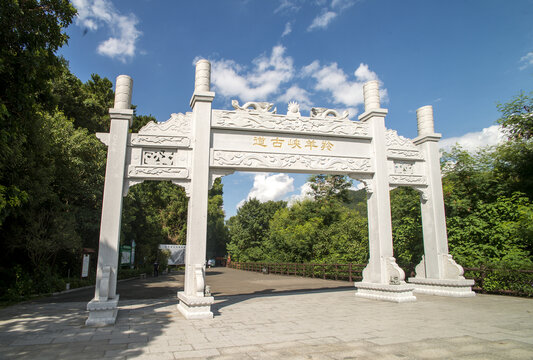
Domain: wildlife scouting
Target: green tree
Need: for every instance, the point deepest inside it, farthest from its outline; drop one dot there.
(517, 117)
(249, 228)
(406, 227)
(330, 187)
(31, 32)
(317, 231)
(217, 231)
(514, 157)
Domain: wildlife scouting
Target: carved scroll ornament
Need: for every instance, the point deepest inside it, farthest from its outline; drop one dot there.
(289, 161)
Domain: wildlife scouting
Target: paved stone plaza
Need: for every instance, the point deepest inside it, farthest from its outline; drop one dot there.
(275, 317)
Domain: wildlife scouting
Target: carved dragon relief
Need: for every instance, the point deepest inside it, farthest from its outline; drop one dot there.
(275, 122)
(235, 159)
(325, 113)
(178, 124)
(401, 147)
(254, 106)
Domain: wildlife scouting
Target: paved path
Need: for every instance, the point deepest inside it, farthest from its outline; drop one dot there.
(223, 282)
(271, 319)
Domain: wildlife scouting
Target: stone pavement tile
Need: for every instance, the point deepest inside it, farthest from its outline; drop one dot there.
(196, 353)
(387, 340)
(519, 353)
(434, 353)
(34, 340)
(72, 339)
(488, 356)
(239, 349)
(129, 340)
(527, 340)
(172, 348)
(212, 345)
(272, 354)
(105, 347)
(241, 356)
(123, 353)
(467, 349)
(504, 345)
(320, 341)
(158, 356)
(281, 345)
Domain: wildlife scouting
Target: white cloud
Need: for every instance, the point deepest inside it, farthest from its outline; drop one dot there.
(269, 187)
(296, 93)
(342, 4)
(288, 29)
(322, 21)
(471, 141)
(526, 60)
(287, 6)
(363, 73)
(306, 193)
(124, 33)
(265, 79)
(330, 78)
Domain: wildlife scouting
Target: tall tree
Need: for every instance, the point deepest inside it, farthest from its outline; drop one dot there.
(31, 32)
(330, 187)
(250, 227)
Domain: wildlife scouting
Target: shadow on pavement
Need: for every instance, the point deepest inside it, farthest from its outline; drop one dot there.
(227, 300)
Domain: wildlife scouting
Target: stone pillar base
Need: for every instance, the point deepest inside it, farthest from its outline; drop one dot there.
(385, 292)
(443, 287)
(102, 313)
(195, 307)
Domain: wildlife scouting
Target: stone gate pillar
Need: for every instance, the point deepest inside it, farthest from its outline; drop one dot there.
(103, 307)
(437, 273)
(383, 279)
(193, 303)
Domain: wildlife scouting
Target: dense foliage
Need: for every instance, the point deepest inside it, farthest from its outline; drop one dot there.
(487, 198)
(322, 229)
(52, 166)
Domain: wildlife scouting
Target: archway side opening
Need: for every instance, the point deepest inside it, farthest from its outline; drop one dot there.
(408, 242)
(274, 225)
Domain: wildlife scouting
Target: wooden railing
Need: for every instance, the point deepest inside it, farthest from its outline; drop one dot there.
(346, 272)
(517, 282)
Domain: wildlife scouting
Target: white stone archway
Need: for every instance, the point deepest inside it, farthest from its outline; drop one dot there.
(194, 148)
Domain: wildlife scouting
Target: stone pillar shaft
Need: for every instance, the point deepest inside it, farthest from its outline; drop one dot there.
(433, 217)
(383, 279)
(193, 304)
(378, 203)
(437, 273)
(103, 308)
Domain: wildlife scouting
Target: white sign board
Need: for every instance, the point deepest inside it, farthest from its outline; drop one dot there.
(85, 266)
(177, 253)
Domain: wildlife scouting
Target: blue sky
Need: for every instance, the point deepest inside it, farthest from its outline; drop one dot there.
(462, 57)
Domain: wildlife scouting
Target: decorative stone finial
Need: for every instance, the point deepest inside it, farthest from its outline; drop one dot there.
(123, 88)
(203, 76)
(293, 109)
(424, 116)
(371, 94)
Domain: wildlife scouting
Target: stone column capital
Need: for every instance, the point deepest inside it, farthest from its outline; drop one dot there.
(201, 96)
(428, 137)
(367, 115)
